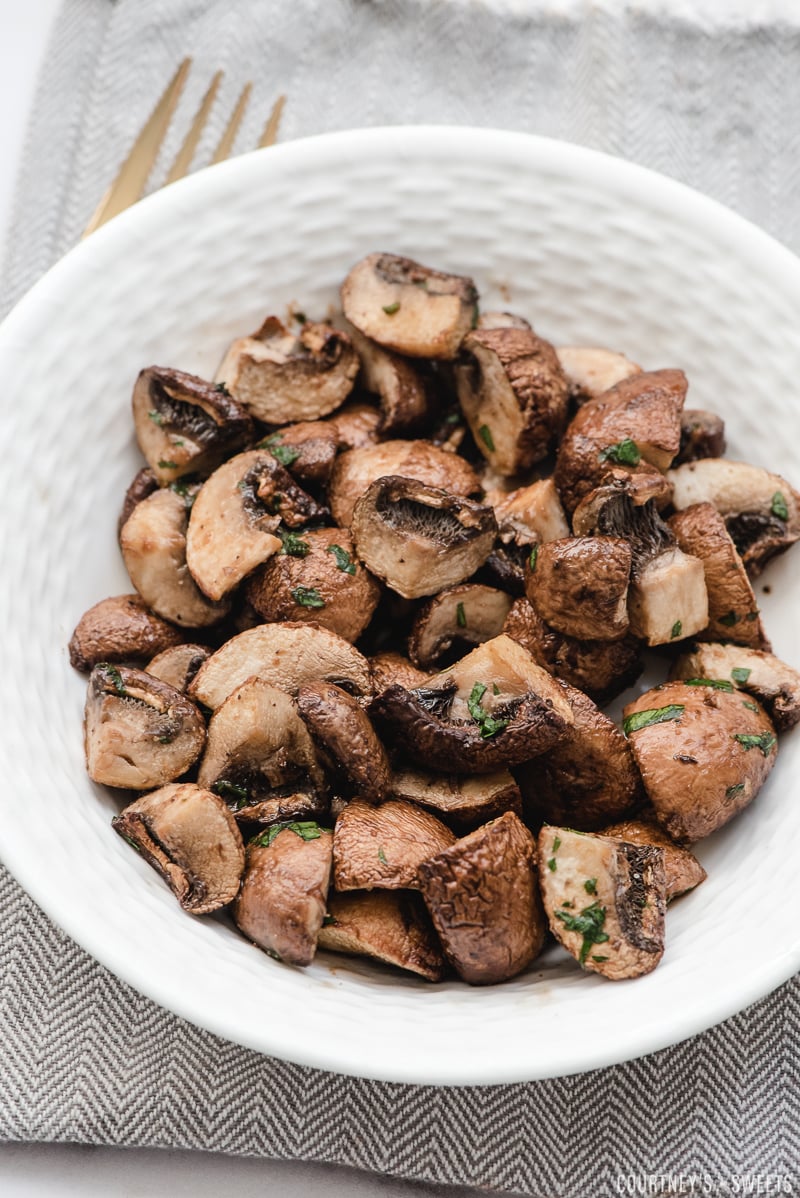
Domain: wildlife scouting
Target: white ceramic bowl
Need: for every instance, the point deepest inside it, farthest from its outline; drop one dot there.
(593, 250)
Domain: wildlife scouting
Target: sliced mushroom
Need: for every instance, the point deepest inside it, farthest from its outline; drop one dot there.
(682, 870)
(281, 377)
(355, 470)
(455, 620)
(188, 835)
(408, 307)
(591, 370)
(383, 847)
(398, 383)
(501, 320)
(775, 684)
(587, 779)
(341, 730)
(356, 425)
(391, 667)
(492, 709)
(419, 539)
(702, 436)
(601, 669)
(178, 666)
(282, 902)
(638, 420)
(702, 751)
(138, 732)
(120, 629)
(513, 393)
(392, 926)
(483, 897)
(605, 900)
(732, 608)
(530, 514)
(185, 425)
(308, 449)
(462, 802)
(153, 544)
(579, 586)
(284, 655)
(761, 510)
(144, 483)
(316, 576)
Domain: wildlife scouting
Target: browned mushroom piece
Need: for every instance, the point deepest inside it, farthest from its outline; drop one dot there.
(178, 666)
(188, 835)
(514, 395)
(702, 436)
(144, 483)
(775, 684)
(501, 320)
(601, 669)
(308, 449)
(419, 539)
(138, 731)
(462, 802)
(345, 737)
(591, 370)
(383, 847)
(282, 901)
(356, 469)
(259, 757)
(732, 608)
(605, 900)
(185, 425)
(529, 514)
(356, 425)
(316, 576)
(637, 421)
(587, 779)
(409, 308)
(286, 656)
(282, 377)
(453, 621)
(390, 667)
(703, 753)
(682, 870)
(398, 383)
(579, 586)
(153, 544)
(120, 629)
(392, 926)
(761, 510)
(492, 709)
(483, 897)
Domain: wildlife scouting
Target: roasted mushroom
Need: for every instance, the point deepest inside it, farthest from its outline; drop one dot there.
(383, 847)
(484, 900)
(409, 308)
(454, 620)
(392, 667)
(308, 449)
(530, 514)
(120, 629)
(703, 753)
(138, 732)
(579, 586)
(770, 680)
(462, 802)
(356, 425)
(282, 378)
(397, 381)
(144, 483)
(345, 737)
(605, 900)
(178, 666)
(591, 370)
(190, 837)
(501, 320)
(392, 926)
(682, 870)
(702, 436)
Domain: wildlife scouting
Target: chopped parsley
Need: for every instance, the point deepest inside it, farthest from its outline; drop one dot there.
(551, 865)
(230, 790)
(282, 453)
(625, 452)
(719, 684)
(223, 390)
(588, 924)
(732, 791)
(489, 726)
(532, 558)
(461, 617)
(590, 885)
(381, 856)
(293, 546)
(652, 715)
(453, 418)
(114, 677)
(306, 829)
(556, 844)
(156, 417)
(766, 742)
(132, 843)
(390, 309)
(750, 706)
(599, 959)
(740, 674)
(342, 559)
(495, 689)
(328, 920)
(677, 629)
(165, 464)
(307, 597)
(779, 507)
(729, 620)
(300, 317)
(485, 434)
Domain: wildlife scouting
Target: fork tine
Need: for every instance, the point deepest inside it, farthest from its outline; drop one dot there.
(270, 134)
(183, 159)
(229, 136)
(130, 182)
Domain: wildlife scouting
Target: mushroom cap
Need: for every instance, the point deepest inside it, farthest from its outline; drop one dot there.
(396, 380)
(775, 684)
(316, 577)
(458, 617)
(682, 870)
(122, 628)
(143, 483)
(338, 725)
(591, 370)
(138, 731)
(177, 666)
(383, 847)
(579, 586)
(356, 424)
(514, 395)
(462, 802)
(407, 307)
(308, 449)
(419, 539)
(703, 754)
(285, 655)
(702, 436)
(392, 667)
(392, 926)
(356, 469)
(188, 835)
(185, 425)
(483, 897)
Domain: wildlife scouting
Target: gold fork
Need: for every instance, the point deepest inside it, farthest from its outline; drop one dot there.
(129, 184)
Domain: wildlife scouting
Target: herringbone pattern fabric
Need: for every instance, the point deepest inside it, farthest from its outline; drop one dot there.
(83, 1057)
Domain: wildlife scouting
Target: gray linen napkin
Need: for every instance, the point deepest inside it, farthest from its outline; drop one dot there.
(82, 1056)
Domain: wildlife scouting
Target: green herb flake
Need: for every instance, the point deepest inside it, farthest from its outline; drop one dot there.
(343, 561)
(328, 921)
(599, 960)
(293, 546)
(307, 829)
(485, 434)
(534, 553)
(114, 677)
(230, 790)
(719, 684)
(729, 620)
(164, 464)
(766, 742)
(750, 706)
(453, 418)
(381, 856)
(740, 674)
(732, 791)
(307, 597)
(779, 507)
(588, 924)
(282, 453)
(625, 452)
(300, 317)
(156, 417)
(495, 689)
(223, 390)
(166, 739)
(461, 618)
(556, 844)
(132, 843)
(551, 865)
(390, 309)
(652, 715)
(590, 885)
(677, 629)
(752, 615)
(489, 726)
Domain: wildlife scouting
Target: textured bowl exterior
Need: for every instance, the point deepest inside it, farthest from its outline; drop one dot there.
(593, 251)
